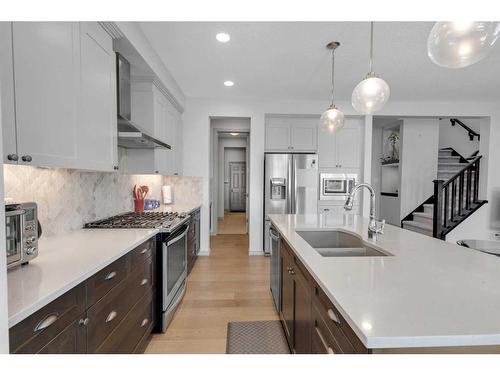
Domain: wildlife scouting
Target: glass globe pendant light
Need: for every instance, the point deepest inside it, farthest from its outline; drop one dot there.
(460, 44)
(371, 94)
(332, 119)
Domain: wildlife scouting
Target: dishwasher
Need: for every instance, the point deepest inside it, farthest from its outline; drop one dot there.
(274, 247)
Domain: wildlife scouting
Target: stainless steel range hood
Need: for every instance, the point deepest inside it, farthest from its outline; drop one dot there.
(130, 135)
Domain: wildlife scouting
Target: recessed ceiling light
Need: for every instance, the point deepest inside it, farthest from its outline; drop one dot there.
(228, 83)
(234, 134)
(222, 37)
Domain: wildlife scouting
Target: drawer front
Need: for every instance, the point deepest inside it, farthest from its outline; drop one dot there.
(127, 336)
(141, 253)
(105, 280)
(107, 314)
(36, 331)
(323, 341)
(73, 340)
(344, 335)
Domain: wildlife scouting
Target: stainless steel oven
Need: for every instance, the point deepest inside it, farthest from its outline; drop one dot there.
(21, 232)
(336, 186)
(174, 269)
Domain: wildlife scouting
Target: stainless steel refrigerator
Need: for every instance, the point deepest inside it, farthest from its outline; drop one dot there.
(290, 187)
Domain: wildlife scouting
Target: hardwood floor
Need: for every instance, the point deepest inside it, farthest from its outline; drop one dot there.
(233, 223)
(226, 286)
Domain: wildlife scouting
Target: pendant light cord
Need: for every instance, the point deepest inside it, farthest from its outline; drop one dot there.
(371, 47)
(333, 74)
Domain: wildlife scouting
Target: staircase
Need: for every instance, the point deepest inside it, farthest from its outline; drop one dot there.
(455, 196)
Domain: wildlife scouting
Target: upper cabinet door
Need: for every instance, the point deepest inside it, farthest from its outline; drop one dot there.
(97, 128)
(303, 135)
(277, 137)
(7, 94)
(348, 147)
(178, 146)
(46, 61)
(327, 149)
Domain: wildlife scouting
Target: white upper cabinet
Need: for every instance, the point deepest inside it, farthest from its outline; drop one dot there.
(64, 85)
(97, 129)
(7, 94)
(291, 134)
(341, 149)
(178, 145)
(46, 71)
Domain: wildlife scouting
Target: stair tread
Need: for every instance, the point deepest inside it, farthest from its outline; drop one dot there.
(427, 215)
(451, 164)
(418, 224)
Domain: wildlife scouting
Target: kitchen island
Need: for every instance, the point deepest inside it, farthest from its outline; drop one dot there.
(424, 295)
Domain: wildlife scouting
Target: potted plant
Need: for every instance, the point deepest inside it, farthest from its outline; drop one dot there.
(393, 139)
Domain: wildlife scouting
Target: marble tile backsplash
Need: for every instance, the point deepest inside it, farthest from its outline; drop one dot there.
(67, 199)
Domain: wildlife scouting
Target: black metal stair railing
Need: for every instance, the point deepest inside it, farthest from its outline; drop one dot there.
(456, 198)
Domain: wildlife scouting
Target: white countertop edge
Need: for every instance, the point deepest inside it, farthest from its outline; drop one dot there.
(27, 311)
(392, 342)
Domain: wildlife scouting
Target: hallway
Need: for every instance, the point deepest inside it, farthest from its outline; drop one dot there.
(226, 286)
(233, 223)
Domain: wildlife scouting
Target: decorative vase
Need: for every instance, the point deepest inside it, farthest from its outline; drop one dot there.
(139, 205)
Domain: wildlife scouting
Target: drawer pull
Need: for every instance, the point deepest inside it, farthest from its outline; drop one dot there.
(110, 275)
(83, 321)
(328, 349)
(111, 316)
(333, 316)
(144, 251)
(144, 281)
(46, 322)
(144, 322)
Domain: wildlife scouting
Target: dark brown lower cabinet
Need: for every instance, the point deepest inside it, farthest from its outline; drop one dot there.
(311, 322)
(111, 312)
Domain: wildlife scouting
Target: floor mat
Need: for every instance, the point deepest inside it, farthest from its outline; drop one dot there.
(258, 337)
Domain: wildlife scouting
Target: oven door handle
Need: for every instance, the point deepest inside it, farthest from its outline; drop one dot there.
(14, 213)
(174, 240)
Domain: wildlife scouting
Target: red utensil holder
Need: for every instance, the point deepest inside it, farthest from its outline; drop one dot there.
(139, 205)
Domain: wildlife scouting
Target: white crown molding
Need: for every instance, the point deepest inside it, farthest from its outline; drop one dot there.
(112, 29)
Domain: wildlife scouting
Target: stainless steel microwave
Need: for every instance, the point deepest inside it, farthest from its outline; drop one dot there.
(21, 232)
(336, 186)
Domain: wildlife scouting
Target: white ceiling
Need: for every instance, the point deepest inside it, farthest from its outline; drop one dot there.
(288, 60)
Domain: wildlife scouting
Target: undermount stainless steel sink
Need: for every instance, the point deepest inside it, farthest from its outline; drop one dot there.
(334, 243)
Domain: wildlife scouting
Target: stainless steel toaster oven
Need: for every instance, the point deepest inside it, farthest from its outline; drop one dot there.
(21, 232)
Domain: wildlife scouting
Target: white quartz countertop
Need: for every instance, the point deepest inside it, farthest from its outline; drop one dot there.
(63, 262)
(429, 293)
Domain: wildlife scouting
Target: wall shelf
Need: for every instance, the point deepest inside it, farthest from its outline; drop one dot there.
(391, 165)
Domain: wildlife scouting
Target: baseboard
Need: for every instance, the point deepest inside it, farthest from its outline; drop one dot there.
(204, 253)
(255, 253)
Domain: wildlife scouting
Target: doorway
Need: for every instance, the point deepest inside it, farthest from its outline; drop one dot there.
(229, 180)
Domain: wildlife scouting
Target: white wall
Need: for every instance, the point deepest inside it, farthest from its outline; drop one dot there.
(457, 137)
(418, 161)
(231, 154)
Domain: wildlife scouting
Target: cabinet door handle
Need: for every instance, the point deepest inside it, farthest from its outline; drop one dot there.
(144, 250)
(13, 157)
(333, 316)
(27, 158)
(110, 275)
(46, 322)
(111, 316)
(83, 321)
(291, 271)
(144, 281)
(144, 322)
(328, 349)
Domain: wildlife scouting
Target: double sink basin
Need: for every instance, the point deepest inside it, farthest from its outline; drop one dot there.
(335, 243)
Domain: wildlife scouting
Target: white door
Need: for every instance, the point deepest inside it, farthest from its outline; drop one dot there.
(96, 141)
(348, 148)
(7, 94)
(277, 137)
(237, 186)
(303, 137)
(46, 72)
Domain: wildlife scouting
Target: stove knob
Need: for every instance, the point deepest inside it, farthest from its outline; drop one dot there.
(31, 250)
(30, 240)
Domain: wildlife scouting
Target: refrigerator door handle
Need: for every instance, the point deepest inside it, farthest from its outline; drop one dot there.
(291, 195)
(293, 186)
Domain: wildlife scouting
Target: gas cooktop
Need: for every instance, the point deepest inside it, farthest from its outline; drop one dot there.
(145, 220)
